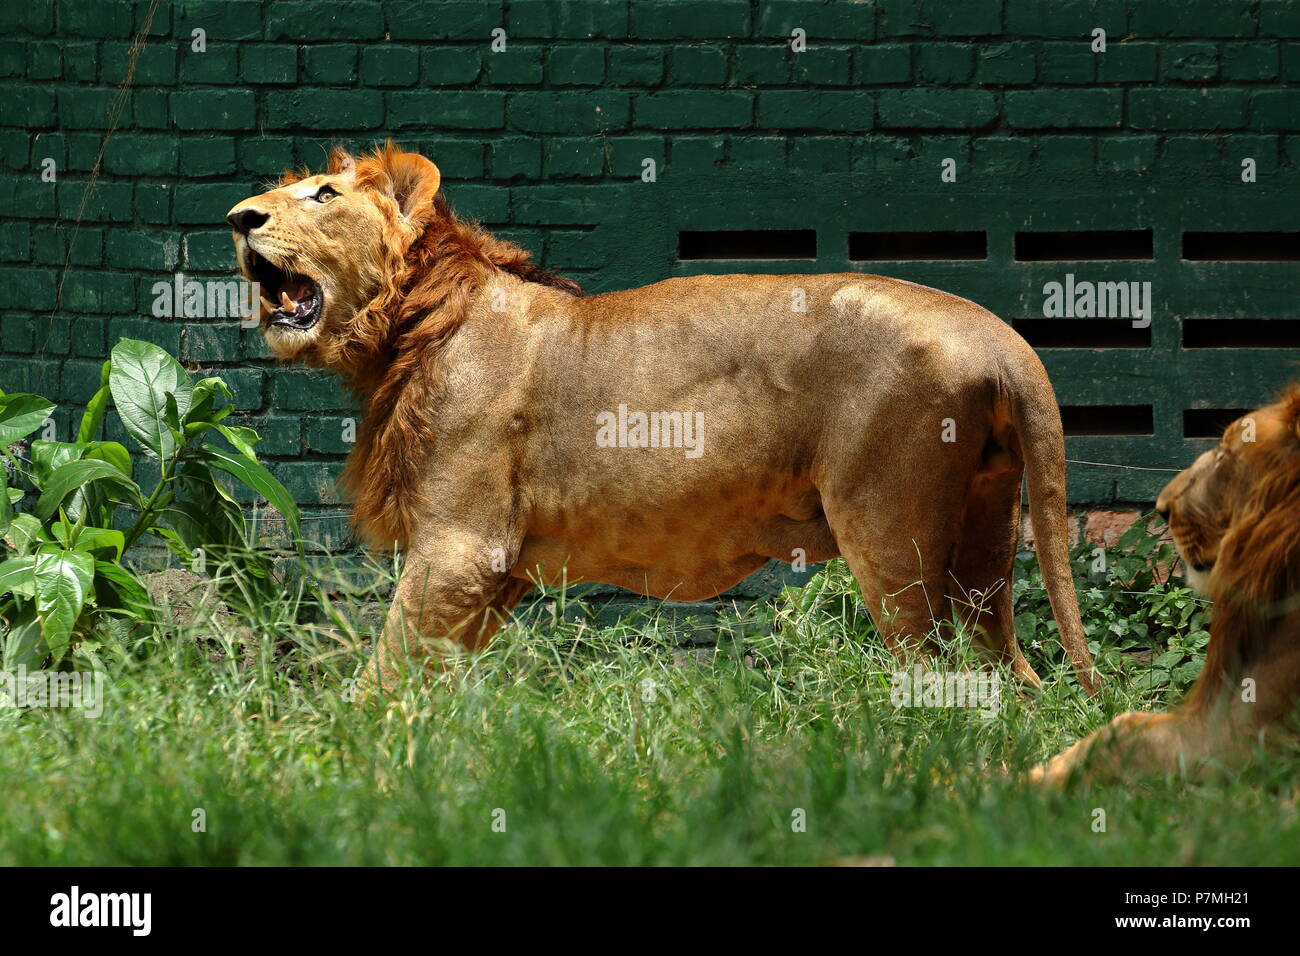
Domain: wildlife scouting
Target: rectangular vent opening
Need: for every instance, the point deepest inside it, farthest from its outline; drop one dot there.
(1241, 246)
(1086, 245)
(1080, 420)
(1209, 422)
(752, 244)
(1241, 333)
(917, 246)
(1082, 333)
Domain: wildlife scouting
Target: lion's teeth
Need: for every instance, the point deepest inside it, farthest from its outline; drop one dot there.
(286, 303)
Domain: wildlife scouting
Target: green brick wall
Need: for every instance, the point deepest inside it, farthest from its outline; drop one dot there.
(545, 142)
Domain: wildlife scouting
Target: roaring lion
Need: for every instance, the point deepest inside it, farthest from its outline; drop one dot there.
(668, 439)
(1235, 519)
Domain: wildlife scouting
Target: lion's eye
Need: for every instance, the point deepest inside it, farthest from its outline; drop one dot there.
(325, 194)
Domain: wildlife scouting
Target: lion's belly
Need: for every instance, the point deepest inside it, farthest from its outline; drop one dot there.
(684, 554)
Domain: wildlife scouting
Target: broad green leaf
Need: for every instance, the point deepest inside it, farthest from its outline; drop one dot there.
(242, 438)
(72, 476)
(93, 417)
(142, 377)
(18, 576)
(63, 583)
(25, 533)
(205, 395)
(6, 505)
(125, 590)
(259, 480)
(22, 414)
(23, 646)
(48, 456)
(95, 540)
(111, 452)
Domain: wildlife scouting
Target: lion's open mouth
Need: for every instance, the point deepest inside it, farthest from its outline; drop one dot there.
(295, 300)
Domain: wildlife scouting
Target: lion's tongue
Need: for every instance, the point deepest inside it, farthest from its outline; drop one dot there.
(297, 290)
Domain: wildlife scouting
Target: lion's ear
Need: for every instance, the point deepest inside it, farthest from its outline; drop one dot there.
(412, 182)
(343, 164)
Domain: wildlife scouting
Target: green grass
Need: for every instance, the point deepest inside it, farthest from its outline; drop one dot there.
(601, 745)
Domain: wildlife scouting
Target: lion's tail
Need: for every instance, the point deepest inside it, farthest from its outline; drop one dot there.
(1037, 422)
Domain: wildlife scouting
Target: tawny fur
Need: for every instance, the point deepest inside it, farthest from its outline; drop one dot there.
(481, 376)
(1235, 514)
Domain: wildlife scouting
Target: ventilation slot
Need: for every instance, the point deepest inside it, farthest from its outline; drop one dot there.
(1241, 246)
(1209, 422)
(917, 246)
(1081, 246)
(1107, 420)
(748, 244)
(1082, 333)
(1241, 333)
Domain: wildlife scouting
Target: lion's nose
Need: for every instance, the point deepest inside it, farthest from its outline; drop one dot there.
(246, 220)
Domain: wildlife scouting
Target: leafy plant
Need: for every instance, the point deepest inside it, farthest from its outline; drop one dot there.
(1134, 613)
(62, 571)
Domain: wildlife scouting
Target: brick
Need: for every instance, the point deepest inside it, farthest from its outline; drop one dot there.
(214, 109)
(820, 154)
(16, 242)
(569, 112)
(104, 292)
(208, 156)
(691, 19)
(327, 20)
(217, 66)
(1250, 61)
(108, 201)
(34, 19)
(44, 61)
(80, 62)
(1187, 109)
(945, 63)
(311, 482)
(306, 390)
(1126, 153)
(1105, 528)
(1275, 109)
(640, 65)
(1194, 18)
(327, 435)
(16, 333)
(936, 109)
(325, 109)
(447, 20)
(1279, 18)
(626, 155)
(824, 66)
(1051, 109)
(28, 288)
(568, 19)
(762, 65)
(1005, 64)
(696, 152)
(1057, 154)
(266, 155)
(1189, 62)
(1001, 155)
(825, 110)
(334, 63)
(268, 63)
(138, 249)
(515, 66)
(209, 341)
(450, 66)
(578, 66)
(455, 109)
(1066, 18)
(1127, 63)
(836, 21)
(208, 251)
(516, 157)
(1067, 63)
(207, 203)
(94, 19)
(697, 66)
(221, 20)
(155, 65)
(573, 156)
(85, 109)
(489, 204)
(694, 109)
(390, 66)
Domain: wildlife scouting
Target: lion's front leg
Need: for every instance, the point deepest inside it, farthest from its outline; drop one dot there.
(454, 592)
(1133, 744)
